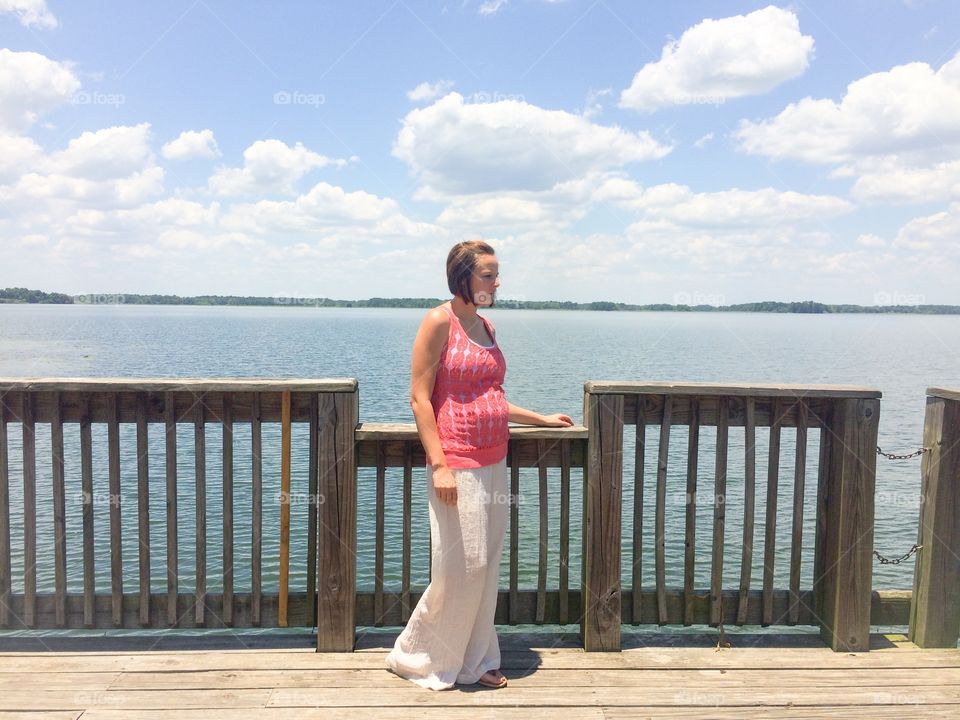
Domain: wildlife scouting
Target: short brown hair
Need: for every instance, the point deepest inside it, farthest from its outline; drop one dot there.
(461, 264)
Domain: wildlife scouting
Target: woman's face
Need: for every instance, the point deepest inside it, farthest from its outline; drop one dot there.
(485, 280)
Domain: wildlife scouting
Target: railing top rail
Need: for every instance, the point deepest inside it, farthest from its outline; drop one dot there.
(945, 393)
(642, 387)
(408, 431)
(177, 384)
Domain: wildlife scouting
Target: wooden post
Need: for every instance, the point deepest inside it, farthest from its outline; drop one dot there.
(600, 624)
(844, 585)
(934, 611)
(337, 561)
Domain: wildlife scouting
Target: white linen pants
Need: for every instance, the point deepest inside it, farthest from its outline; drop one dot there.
(450, 637)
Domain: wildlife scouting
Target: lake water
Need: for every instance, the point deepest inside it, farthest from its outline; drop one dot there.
(549, 356)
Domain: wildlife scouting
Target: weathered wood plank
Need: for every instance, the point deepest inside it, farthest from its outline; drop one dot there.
(73, 404)
(934, 614)
(848, 562)
(786, 390)
(600, 625)
(192, 385)
(336, 572)
(523, 439)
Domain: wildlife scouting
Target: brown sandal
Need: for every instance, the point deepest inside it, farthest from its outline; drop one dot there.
(499, 679)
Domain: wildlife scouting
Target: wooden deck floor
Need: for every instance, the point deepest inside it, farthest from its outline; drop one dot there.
(656, 675)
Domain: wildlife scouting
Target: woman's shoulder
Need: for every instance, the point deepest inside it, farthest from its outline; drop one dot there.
(437, 318)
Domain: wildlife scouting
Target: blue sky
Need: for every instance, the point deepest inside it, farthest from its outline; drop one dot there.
(714, 152)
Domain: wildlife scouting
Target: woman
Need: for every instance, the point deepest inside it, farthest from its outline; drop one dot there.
(461, 413)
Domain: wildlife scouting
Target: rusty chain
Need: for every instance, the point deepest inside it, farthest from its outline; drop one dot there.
(896, 561)
(892, 456)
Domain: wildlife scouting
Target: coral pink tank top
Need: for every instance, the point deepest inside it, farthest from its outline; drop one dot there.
(468, 399)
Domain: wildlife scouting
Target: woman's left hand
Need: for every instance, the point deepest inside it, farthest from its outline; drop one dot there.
(557, 420)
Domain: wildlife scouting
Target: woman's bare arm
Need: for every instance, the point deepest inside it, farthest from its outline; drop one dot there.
(529, 417)
(426, 356)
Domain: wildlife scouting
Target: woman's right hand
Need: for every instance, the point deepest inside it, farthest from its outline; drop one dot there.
(445, 485)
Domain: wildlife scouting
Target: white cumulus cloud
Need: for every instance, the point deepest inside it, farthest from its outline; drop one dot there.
(455, 147)
(911, 110)
(428, 91)
(269, 166)
(720, 59)
(31, 85)
(32, 13)
(192, 144)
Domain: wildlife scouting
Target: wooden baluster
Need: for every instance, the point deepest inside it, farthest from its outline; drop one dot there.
(143, 506)
(227, 421)
(200, 463)
(796, 544)
(116, 526)
(405, 608)
(86, 484)
(770, 534)
(719, 512)
(284, 507)
(29, 510)
(514, 461)
(544, 533)
(749, 502)
(639, 459)
(660, 524)
(256, 499)
(313, 490)
(690, 524)
(379, 534)
(564, 589)
(6, 579)
(59, 513)
(173, 573)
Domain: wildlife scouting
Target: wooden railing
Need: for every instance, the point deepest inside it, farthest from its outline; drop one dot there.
(328, 408)
(383, 446)
(840, 599)
(332, 455)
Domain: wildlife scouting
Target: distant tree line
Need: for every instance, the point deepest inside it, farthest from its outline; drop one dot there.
(23, 295)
